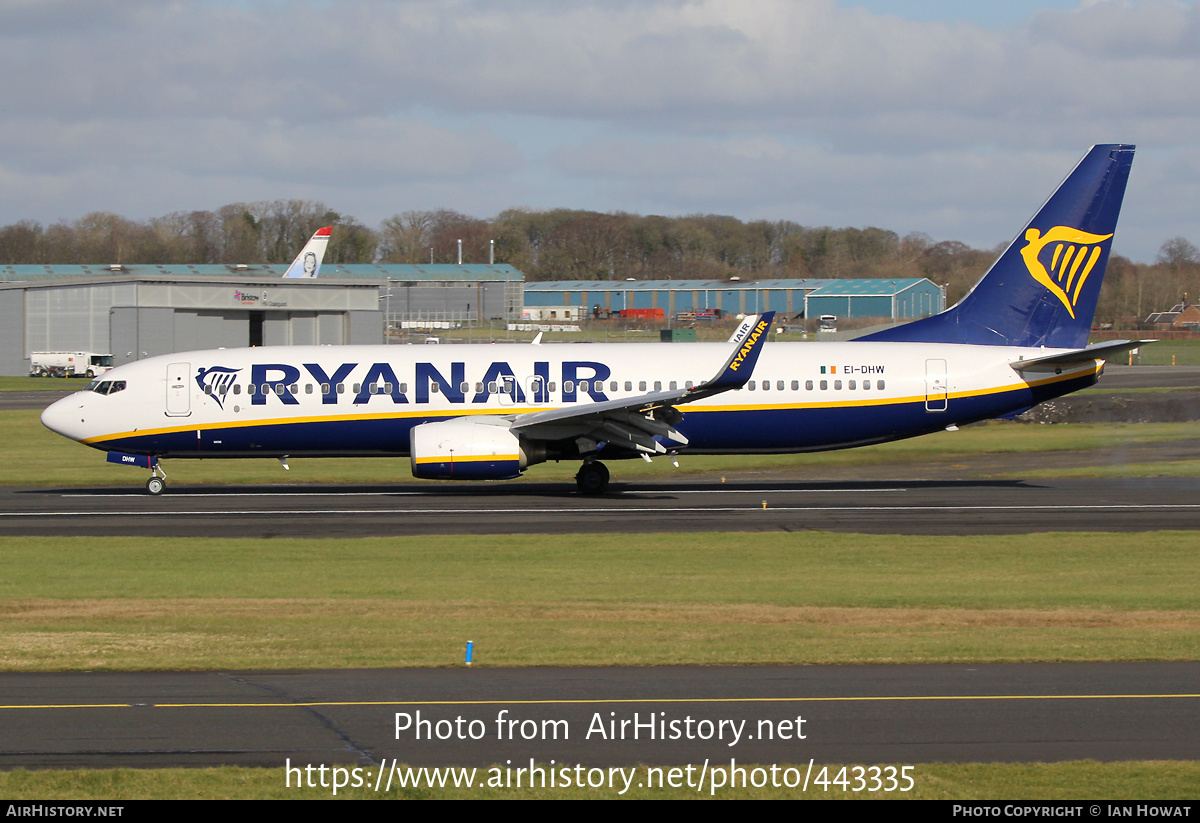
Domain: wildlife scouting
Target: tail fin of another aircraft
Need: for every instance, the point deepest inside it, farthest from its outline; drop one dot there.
(1043, 289)
(308, 261)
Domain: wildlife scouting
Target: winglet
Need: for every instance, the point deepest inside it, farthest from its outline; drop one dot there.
(743, 329)
(308, 261)
(740, 365)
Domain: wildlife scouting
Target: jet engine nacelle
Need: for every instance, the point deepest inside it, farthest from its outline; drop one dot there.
(469, 448)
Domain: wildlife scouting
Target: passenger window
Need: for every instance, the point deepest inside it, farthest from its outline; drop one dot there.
(550, 388)
(766, 385)
(324, 388)
(279, 388)
(851, 386)
(612, 386)
(879, 385)
(568, 386)
(837, 385)
(674, 385)
(583, 385)
(357, 388)
(433, 388)
(658, 385)
(237, 388)
(628, 385)
(688, 384)
(294, 388)
(207, 390)
(373, 388)
(779, 385)
(866, 384)
(404, 388)
(808, 385)
(750, 385)
(642, 385)
(464, 387)
(824, 385)
(308, 388)
(250, 389)
(492, 388)
(341, 388)
(387, 388)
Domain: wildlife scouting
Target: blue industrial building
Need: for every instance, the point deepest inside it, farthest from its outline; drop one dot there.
(898, 299)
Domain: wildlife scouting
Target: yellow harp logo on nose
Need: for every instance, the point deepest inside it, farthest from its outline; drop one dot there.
(1075, 254)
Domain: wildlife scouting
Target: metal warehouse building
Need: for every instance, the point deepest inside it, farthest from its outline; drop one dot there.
(906, 299)
(139, 311)
(900, 299)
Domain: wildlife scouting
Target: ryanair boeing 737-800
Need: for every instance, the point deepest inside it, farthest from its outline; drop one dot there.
(488, 412)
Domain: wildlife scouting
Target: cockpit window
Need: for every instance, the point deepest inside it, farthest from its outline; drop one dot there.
(106, 386)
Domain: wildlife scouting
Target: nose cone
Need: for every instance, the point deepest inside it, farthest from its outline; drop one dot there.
(67, 417)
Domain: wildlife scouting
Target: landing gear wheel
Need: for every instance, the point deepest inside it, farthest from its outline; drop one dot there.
(155, 485)
(592, 479)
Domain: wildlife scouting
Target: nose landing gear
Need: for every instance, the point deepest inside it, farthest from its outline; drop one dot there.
(157, 484)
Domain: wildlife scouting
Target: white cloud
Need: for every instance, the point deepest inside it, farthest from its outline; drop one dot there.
(807, 111)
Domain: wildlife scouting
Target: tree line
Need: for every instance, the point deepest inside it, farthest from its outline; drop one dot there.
(569, 244)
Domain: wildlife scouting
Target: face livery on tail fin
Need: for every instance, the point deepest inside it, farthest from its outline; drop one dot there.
(1043, 289)
(308, 261)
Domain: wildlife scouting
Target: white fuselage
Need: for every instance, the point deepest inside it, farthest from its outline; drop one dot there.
(363, 400)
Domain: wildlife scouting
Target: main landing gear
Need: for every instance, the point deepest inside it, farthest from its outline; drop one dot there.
(592, 479)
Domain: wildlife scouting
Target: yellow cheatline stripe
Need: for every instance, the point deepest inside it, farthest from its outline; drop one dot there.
(604, 701)
(478, 458)
(513, 410)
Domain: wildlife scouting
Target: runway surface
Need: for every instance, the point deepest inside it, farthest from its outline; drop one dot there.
(780, 504)
(851, 714)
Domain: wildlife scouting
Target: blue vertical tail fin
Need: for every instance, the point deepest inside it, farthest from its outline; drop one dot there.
(1043, 289)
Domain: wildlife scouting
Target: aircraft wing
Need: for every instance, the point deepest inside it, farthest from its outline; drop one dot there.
(1097, 351)
(634, 422)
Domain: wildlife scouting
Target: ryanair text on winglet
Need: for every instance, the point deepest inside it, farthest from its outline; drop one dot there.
(749, 347)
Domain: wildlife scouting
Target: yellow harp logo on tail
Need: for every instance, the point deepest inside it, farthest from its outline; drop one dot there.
(1074, 255)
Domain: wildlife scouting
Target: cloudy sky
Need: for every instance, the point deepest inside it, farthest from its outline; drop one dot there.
(952, 118)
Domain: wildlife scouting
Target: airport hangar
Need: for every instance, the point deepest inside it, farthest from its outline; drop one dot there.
(142, 310)
(894, 299)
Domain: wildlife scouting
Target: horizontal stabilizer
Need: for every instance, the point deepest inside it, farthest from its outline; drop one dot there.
(1099, 351)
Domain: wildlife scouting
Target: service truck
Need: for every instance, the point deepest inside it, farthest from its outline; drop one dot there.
(69, 363)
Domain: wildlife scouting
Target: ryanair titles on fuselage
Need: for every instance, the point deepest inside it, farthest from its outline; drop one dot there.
(381, 380)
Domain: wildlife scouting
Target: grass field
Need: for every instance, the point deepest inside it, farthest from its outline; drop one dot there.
(197, 603)
(1165, 352)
